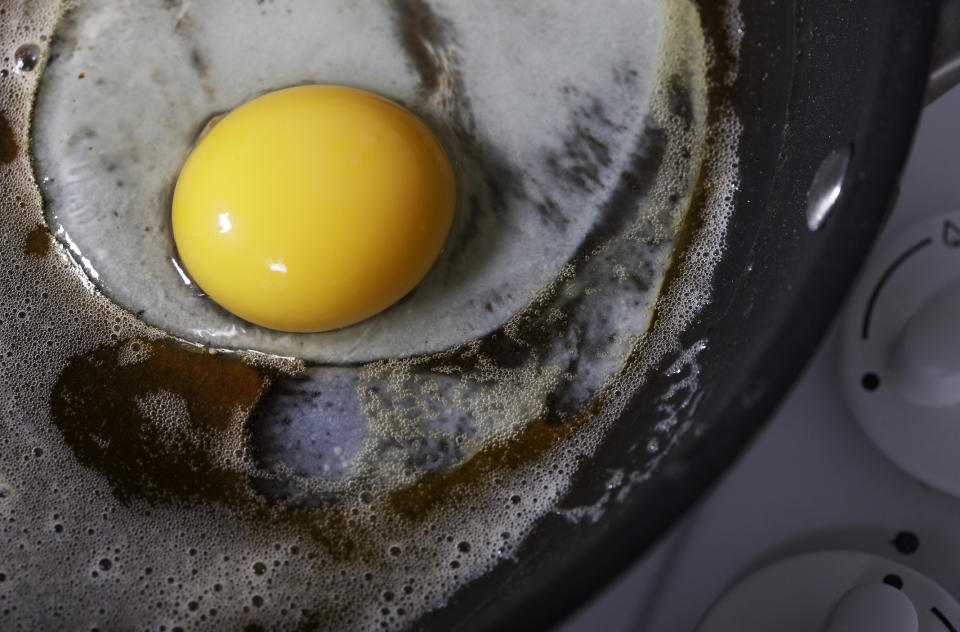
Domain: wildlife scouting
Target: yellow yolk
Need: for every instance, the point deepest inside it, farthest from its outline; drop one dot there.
(312, 208)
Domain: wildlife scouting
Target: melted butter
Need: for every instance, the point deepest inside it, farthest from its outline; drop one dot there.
(102, 403)
(37, 242)
(8, 146)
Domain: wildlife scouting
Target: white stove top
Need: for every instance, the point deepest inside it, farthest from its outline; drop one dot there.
(811, 480)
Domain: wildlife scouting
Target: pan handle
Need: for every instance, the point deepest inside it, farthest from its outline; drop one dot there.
(945, 71)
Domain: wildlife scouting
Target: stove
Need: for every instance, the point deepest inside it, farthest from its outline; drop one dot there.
(812, 480)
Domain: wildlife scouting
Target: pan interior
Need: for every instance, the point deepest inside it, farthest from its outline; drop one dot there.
(149, 479)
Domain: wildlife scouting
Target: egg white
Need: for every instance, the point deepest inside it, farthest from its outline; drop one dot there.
(108, 147)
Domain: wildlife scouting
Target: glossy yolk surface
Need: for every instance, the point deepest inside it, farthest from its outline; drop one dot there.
(312, 208)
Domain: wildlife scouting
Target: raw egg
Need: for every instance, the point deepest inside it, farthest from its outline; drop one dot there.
(312, 208)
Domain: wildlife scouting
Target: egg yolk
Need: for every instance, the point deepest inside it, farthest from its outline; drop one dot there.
(312, 208)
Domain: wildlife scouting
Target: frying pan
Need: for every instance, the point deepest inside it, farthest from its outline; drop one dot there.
(828, 94)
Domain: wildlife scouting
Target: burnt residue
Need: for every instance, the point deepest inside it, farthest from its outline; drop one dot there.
(583, 161)
(580, 161)
(187, 31)
(618, 211)
(98, 405)
(198, 63)
(421, 34)
(8, 143)
(582, 157)
(486, 180)
(37, 242)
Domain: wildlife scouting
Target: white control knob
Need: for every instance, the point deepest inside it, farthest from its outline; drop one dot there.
(901, 350)
(873, 608)
(925, 360)
(833, 591)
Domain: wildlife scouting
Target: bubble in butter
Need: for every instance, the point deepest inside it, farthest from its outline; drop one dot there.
(312, 208)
